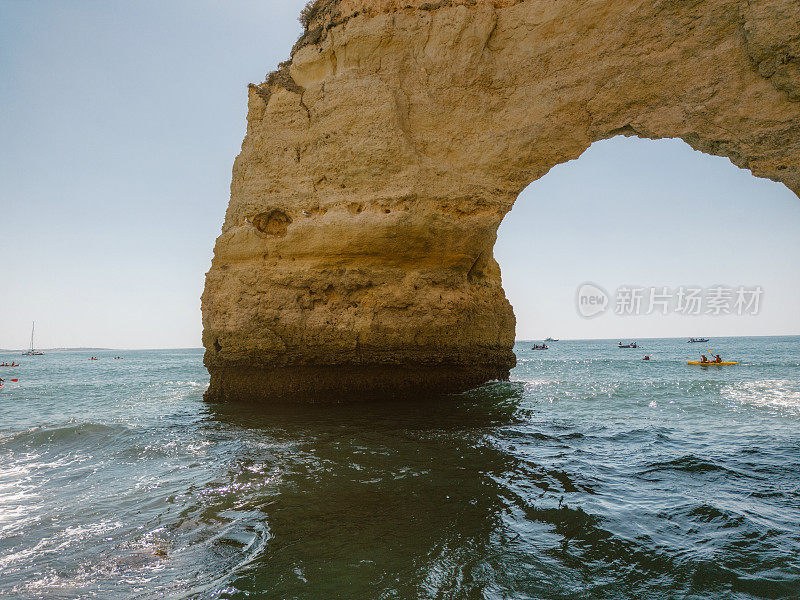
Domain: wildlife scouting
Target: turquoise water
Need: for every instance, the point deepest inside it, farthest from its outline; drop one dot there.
(592, 474)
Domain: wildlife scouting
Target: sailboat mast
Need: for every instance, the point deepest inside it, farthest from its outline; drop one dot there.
(33, 327)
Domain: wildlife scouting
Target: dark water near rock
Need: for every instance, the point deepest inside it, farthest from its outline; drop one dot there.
(590, 475)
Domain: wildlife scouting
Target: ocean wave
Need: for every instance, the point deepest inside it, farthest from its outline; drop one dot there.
(706, 513)
(691, 464)
(70, 433)
(641, 434)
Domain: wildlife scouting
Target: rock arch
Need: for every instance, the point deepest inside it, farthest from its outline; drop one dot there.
(356, 254)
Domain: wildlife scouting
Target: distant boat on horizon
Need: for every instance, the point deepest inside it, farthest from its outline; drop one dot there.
(32, 351)
(696, 340)
(549, 339)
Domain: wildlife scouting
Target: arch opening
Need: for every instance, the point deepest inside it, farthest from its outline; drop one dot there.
(634, 213)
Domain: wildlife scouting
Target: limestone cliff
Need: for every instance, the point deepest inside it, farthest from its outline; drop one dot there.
(356, 254)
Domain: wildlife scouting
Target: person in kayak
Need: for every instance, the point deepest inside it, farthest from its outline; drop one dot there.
(703, 358)
(717, 359)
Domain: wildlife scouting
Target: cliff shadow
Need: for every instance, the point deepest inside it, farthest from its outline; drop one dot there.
(391, 499)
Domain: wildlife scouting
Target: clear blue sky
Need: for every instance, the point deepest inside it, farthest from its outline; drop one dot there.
(119, 125)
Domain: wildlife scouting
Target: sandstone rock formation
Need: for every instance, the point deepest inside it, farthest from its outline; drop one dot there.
(356, 254)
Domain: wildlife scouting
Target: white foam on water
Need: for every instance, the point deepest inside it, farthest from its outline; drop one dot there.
(60, 541)
(532, 384)
(18, 497)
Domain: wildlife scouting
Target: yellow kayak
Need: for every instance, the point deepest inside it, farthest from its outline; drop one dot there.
(697, 362)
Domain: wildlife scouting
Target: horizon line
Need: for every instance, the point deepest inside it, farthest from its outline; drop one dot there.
(674, 337)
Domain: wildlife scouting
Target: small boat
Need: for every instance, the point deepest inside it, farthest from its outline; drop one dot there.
(709, 363)
(696, 340)
(32, 351)
(13, 364)
(631, 345)
(538, 347)
(550, 339)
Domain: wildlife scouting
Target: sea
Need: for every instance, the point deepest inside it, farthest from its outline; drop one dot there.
(591, 474)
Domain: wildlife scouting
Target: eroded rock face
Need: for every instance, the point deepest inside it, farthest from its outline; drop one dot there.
(356, 254)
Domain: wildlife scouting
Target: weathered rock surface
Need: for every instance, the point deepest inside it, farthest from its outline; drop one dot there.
(356, 254)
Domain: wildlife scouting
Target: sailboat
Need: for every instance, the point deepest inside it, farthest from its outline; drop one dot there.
(32, 351)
